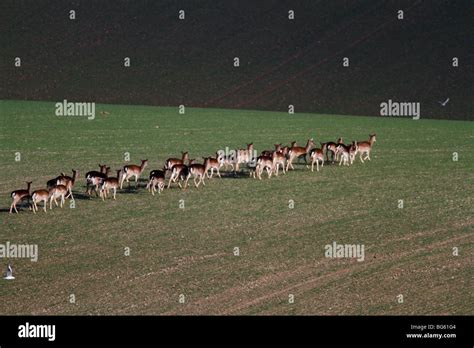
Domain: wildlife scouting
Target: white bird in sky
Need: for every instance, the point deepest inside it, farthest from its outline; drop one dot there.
(444, 103)
(9, 274)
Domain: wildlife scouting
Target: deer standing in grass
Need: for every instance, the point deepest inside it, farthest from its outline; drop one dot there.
(19, 195)
(316, 155)
(330, 147)
(347, 153)
(95, 178)
(53, 182)
(40, 196)
(243, 156)
(212, 163)
(298, 151)
(264, 163)
(278, 158)
(198, 171)
(364, 147)
(68, 182)
(170, 162)
(157, 179)
(180, 172)
(110, 184)
(133, 170)
(58, 191)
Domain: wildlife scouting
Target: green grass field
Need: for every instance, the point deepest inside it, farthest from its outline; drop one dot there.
(190, 251)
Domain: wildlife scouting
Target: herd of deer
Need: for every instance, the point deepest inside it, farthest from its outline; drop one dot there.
(269, 161)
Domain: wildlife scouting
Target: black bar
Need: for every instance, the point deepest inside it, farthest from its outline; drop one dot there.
(133, 330)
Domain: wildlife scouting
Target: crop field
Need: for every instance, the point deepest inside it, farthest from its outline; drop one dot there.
(239, 245)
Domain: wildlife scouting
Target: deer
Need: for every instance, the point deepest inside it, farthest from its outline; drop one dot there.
(58, 191)
(53, 182)
(68, 182)
(157, 178)
(316, 155)
(364, 147)
(180, 172)
(170, 162)
(198, 171)
(278, 148)
(278, 158)
(243, 156)
(40, 196)
(298, 151)
(264, 163)
(133, 170)
(331, 147)
(95, 178)
(19, 195)
(212, 163)
(347, 153)
(110, 184)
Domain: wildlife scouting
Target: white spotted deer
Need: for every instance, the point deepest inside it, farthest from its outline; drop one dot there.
(157, 179)
(19, 195)
(133, 170)
(68, 182)
(110, 184)
(298, 151)
(58, 191)
(365, 147)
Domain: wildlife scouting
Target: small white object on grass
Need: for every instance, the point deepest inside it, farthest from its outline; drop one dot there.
(9, 274)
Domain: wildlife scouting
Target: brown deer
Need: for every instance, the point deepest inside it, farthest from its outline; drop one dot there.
(298, 151)
(157, 179)
(364, 147)
(170, 162)
(347, 153)
(243, 156)
(53, 182)
(95, 178)
(58, 191)
(179, 172)
(19, 195)
(278, 158)
(68, 182)
(198, 171)
(330, 147)
(212, 163)
(133, 170)
(264, 163)
(110, 184)
(39, 196)
(316, 155)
